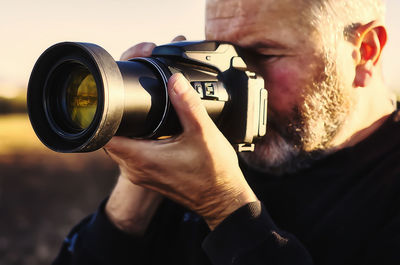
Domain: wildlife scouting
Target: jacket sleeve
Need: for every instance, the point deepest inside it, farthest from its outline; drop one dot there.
(249, 236)
(95, 240)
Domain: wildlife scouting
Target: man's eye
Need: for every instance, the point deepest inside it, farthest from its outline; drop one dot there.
(269, 57)
(255, 59)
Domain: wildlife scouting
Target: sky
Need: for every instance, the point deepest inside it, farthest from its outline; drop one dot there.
(28, 27)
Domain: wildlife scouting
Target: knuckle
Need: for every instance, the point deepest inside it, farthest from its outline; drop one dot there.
(179, 38)
(146, 48)
(138, 50)
(137, 181)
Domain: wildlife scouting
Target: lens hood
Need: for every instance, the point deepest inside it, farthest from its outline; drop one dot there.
(45, 93)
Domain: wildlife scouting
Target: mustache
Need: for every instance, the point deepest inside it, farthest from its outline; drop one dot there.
(290, 130)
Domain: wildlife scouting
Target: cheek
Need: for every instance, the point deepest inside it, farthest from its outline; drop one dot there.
(284, 85)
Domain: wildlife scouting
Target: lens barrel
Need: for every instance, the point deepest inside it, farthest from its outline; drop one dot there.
(79, 97)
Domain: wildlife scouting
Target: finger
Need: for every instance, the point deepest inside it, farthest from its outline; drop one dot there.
(179, 38)
(133, 155)
(143, 49)
(187, 104)
(123, 147)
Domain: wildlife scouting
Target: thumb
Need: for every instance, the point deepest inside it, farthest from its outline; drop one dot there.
(187, 104)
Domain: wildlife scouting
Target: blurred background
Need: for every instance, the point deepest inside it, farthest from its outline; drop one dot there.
(43, 193)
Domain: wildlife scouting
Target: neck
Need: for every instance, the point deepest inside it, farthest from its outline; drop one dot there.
(373, 107)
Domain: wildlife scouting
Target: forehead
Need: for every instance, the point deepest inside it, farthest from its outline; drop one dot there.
(245, 21)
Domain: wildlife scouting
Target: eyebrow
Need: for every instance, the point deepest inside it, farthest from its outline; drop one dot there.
(264, 44)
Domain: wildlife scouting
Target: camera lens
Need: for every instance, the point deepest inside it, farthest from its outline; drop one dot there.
(75, 97)
(71, 98)
(81, 98)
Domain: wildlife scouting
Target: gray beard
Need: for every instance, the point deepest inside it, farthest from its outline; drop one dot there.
(274, 155)
(305, 138)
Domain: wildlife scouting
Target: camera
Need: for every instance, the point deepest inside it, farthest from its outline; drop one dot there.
(79, 97)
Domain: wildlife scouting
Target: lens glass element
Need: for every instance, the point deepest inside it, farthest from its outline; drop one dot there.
(81, 97)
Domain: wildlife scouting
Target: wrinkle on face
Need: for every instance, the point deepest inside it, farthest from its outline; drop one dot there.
(245, 21)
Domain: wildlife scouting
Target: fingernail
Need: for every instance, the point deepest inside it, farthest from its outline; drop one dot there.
(180, 85)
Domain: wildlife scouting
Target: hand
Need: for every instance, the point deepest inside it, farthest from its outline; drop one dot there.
(144, 49)
(198, 168)
(131, 207)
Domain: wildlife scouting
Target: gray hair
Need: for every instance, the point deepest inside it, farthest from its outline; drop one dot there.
(342, 17)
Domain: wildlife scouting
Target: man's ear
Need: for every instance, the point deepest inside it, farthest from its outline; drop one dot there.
(369, 41)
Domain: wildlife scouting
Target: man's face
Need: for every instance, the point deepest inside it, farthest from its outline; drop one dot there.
(307, 101)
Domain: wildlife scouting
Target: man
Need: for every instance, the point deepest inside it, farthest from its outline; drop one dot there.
(322, 186)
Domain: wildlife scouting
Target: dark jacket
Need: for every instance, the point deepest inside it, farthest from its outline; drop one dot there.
(345, 209)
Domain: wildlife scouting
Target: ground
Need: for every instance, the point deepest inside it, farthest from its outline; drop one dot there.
(43, 193)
